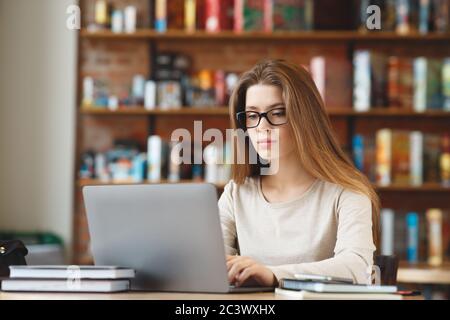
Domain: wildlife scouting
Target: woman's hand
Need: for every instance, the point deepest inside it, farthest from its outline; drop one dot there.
(246, 270)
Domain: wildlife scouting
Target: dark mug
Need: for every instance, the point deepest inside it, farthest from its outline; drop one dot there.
(388, 269)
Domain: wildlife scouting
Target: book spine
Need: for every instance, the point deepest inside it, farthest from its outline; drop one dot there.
(403, 14)
(416, 158)
(211, 155)
(387, 232)
(441, 15)
(393, 81)
(161, 15)
(383, 156)
(401, 162)
(434, 84)
(220, 87)
(174, 161)
(434, 218)
(253, 15)
(317, 67)
(362, 82)
(154, 154)
(239, 15)
(358, 151)
(150, 95)
(444, 160)
(446, 84)
(309, 15)
(406, 83)
(212, 15)
(268, 14)
(412, 223)
(189, 15)
(420, 84)
(424, 16)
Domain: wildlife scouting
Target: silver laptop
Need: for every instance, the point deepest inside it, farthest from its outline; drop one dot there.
(169, 233)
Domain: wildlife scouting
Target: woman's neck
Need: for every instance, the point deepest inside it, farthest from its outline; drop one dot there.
(288, 174)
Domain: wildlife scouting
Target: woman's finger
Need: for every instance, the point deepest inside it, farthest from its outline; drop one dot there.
(237, 268)
(245, 274)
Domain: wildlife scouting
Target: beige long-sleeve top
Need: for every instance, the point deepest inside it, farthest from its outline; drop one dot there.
(326, 231)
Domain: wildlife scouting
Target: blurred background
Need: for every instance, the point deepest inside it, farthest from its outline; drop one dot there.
(91, 91)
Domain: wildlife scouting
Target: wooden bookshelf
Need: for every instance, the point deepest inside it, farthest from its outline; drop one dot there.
(423, 273)
(342, 36)
(97, 127)
(223, 110)
(396, 188)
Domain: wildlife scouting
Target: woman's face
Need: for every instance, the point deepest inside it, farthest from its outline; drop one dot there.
(270, 141)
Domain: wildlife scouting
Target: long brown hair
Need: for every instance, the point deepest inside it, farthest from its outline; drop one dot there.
(318, 149)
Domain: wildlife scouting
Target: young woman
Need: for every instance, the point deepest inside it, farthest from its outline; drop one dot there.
(314, 213)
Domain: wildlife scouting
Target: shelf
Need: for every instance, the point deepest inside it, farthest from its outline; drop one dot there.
(423, 273)
(173, 112)
(276, 35)
(95, 182)
(223, 110)
(426, 187)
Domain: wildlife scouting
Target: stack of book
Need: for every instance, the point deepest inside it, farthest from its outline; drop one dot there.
(68, 279)
(327, 288)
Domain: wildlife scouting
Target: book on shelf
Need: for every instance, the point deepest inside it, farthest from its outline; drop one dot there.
(219, 15)
(412, 249)
(427, 84)
(384, 81)
(402, 157)
(387, 217)
(416, 236)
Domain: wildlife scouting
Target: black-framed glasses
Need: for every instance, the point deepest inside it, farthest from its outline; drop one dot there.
(251, 119)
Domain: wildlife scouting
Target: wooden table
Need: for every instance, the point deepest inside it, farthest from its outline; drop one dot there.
(148, 296)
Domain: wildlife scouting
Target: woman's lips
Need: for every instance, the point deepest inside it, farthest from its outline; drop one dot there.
(265, 142)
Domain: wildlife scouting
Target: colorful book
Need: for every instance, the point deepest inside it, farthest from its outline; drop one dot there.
(435, 252)
(427, 84)
(431, 153)
(424, 16)
(383, 156)
(318, 73)
(441, 15)
(292, 15)
(416, 157)
(364, 155)
(219, 15)
(420, 84)
(190, 9)
(393, 85)
(155, 159)
(161, 15)
(400, 157)
(362, 80)
(175, 14)
(406, 86)
(446, 84)
(403, 16)
(252, 15)
(387, 231)
(412, 222)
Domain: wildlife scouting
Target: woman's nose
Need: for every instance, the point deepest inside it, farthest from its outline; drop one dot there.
(264, 124)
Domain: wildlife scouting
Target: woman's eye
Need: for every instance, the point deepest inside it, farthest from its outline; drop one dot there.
(279, 114)
(252, 116)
